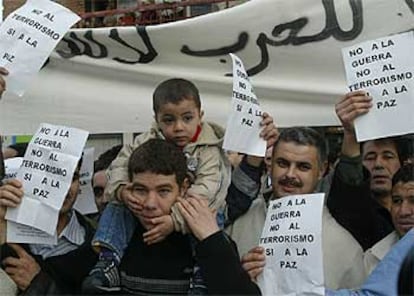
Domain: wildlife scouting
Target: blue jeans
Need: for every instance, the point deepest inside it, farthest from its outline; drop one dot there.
(116, 227)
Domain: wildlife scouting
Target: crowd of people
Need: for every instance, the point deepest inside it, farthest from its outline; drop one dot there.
(178, 217)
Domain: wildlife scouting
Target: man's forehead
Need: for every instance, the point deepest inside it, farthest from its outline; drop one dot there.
(293, 148)
(380, 145)
(403, 186)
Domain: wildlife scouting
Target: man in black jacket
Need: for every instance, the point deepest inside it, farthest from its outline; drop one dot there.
(360, 196)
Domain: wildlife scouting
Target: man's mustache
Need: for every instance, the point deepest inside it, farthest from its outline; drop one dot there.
(286, 181)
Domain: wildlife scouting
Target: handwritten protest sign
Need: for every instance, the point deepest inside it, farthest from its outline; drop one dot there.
(11, 166)
(46, 173)
(243, 125)
(28, 36)
(384, 68)
(292, 238)
(85, 203)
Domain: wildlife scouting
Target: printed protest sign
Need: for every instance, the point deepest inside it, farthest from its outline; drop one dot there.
(384, 68)
(85, 203)
(28, 36)
(292, 238)
(243, 125)
(46, 173)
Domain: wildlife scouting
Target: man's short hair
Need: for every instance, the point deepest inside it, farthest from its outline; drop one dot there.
(174, 91)
(405, 174)
(105, 159)
(158, 157)
(304, 136)
(399, 143)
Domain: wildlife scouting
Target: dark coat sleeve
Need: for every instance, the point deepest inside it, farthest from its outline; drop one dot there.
(220, 265)
(350, 203)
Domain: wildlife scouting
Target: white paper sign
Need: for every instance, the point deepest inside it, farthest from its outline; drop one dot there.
(28, 36)
(85, 203)
(292, 238)
(46, 173)
(11, 166)
(23, 234)
(383, 67)
(243, 125)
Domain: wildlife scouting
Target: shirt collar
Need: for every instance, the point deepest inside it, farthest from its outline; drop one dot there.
(73, 231)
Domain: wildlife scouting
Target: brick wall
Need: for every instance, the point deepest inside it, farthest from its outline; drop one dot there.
(77, 6)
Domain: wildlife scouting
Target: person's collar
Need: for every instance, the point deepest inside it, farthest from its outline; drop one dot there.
(72, 232)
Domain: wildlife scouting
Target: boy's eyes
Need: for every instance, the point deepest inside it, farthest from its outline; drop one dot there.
(167, 120)
(188, 118)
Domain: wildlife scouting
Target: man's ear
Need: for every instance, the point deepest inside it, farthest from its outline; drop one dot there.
(322, 170)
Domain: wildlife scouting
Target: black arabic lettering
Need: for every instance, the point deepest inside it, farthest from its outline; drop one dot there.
(144, 58)
(75, 50)
(332, 28)
(239, 45)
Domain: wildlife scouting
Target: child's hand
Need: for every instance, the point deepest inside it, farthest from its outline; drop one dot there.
(134, 204)
(199, 217)
(164, 226)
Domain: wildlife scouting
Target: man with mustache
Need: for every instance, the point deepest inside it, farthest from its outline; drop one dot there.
(360, 197)
(402, 214)
(298, 163)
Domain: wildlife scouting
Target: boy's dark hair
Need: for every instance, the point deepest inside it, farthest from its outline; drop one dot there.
(304, 136)
(174, 91)
(158, 157)
(405, 174)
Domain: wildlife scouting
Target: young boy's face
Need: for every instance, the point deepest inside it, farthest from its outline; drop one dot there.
(179, 122)
(158, 193)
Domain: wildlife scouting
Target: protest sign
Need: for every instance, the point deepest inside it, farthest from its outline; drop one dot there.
(85, 203)
(243, 125)
(11, 166)
(292, 239)
(46, 173)
(28, 36)
(384, 68)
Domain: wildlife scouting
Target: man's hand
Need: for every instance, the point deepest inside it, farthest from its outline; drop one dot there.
(253, 262)
(21, 270)
(199, 217)
(133, 203)
(269, 133)
(163, 227)
(351, 106)
(4, 72)
(11, 193)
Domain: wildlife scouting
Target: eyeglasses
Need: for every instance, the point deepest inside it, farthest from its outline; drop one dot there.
(98, 190)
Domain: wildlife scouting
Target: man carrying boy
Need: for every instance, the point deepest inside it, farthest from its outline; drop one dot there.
(178, 116)
(158, 175)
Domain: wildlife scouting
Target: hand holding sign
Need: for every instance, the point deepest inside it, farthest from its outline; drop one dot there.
(384, 68)
(28, 36)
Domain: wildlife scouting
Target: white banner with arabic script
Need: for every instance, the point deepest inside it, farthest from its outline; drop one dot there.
(101, 80)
